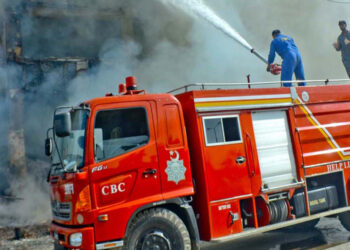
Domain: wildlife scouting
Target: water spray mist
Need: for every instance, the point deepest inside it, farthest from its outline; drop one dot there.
(201, 10)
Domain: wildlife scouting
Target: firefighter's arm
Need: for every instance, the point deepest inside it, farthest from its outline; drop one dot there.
(336, 46)
(271, 57)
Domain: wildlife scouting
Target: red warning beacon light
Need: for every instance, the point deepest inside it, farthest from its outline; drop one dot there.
(131, 83)
(131, 86)
(122, 88)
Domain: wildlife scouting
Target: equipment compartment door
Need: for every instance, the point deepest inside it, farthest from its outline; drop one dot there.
(225, 156)
(275, 150)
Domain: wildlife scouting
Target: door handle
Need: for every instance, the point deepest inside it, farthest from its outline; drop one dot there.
(240, 160)
(150, 172)
(249, 153)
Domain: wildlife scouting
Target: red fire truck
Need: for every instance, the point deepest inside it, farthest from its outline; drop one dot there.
(158, 171)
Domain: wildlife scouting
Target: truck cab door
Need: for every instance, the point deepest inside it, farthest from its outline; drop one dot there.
(126, 163)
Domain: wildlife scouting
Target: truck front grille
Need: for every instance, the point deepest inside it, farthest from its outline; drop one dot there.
(61, 210)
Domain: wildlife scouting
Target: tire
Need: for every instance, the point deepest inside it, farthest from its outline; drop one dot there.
(157, 228)
(345, 220)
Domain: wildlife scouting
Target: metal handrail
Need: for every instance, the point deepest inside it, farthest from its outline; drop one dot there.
(248, 84)
(265, 190)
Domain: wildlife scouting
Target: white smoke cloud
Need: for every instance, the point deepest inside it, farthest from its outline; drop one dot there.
(312, 24)
(183, 50)
(177, 49)
(31, 207)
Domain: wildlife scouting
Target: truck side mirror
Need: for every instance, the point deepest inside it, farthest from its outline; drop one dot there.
(62, 124)
(48, 146)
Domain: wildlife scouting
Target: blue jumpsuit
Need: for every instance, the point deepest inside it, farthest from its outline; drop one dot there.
(292, 63)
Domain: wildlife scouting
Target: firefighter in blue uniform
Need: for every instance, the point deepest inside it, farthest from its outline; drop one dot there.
(288, 51)
(343, 45)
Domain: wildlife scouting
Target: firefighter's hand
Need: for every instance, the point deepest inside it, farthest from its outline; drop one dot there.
(346, 41)
(336, 45)
(268, 69)
(275, 69)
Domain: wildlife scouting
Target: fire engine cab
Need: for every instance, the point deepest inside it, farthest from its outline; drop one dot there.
(162, 171)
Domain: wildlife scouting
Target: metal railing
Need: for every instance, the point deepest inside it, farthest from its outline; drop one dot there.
(203, 86)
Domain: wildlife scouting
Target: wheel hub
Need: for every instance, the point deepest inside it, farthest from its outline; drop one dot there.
(156, 241)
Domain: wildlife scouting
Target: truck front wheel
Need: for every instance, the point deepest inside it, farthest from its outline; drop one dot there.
(157, 228)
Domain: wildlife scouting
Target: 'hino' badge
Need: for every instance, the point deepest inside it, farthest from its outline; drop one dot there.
(176, 169)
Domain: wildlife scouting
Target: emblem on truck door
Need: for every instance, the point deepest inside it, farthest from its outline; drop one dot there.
(175, 168)
(305, 96)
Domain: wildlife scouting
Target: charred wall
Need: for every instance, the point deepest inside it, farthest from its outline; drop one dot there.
(45, 45)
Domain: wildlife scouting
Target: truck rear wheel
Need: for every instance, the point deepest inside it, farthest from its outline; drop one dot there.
(345, 220)
(157, 228)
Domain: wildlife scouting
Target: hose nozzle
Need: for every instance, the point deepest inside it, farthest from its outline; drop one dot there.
(259, 56)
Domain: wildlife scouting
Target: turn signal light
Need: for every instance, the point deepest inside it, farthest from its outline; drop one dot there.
(103, 217)
(83, 203)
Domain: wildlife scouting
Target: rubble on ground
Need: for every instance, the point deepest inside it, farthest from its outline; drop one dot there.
(28, 237)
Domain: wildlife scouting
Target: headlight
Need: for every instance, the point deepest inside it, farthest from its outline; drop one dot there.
(75, 239)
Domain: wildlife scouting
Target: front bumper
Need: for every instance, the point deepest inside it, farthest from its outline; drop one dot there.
(61, 236)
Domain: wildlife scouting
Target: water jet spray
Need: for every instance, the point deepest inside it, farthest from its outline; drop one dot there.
(201, 10)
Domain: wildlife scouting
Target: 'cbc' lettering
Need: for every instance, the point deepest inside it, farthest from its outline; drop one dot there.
(113, 189)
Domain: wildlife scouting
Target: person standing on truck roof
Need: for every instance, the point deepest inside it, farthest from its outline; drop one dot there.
(343, 45)
(288, 51)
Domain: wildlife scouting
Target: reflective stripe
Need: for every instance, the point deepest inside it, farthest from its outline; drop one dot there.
(242, 102)
(237, 98)
(323, 130)
(219, 107)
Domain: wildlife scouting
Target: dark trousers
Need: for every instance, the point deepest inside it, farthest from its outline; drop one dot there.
(347, 66)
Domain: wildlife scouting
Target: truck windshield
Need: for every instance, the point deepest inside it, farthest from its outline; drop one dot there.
(71, 148)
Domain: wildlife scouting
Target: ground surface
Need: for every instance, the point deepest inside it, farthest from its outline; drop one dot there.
(328, 234)
(35, 237)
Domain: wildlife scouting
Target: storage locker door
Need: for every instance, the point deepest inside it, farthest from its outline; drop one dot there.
(275, 151)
